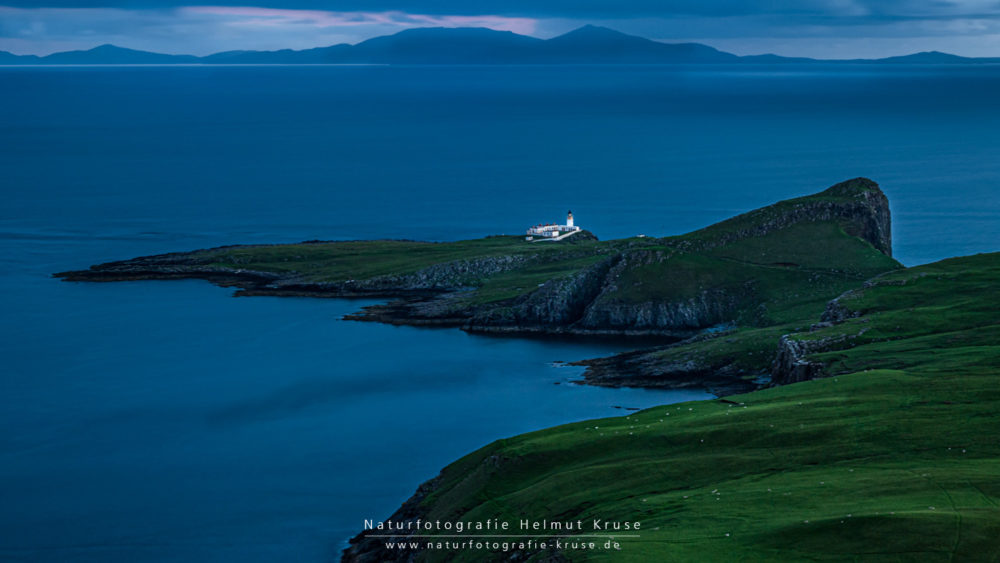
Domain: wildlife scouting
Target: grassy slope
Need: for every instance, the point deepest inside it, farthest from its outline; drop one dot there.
(897, 463)
(793, 272)
(360, 260)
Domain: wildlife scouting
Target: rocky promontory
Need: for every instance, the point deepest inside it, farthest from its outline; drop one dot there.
(759, 269)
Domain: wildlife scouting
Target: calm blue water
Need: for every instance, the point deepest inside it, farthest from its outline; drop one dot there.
(167, 421)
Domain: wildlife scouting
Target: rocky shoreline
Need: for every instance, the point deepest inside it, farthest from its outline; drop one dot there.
(414, 307)
(641, 368)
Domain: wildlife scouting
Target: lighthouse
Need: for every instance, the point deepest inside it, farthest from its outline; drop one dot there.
(551, 231)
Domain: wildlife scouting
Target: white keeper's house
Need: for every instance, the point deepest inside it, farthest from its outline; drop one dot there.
(553, 231)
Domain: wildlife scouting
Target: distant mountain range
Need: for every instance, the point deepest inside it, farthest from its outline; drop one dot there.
(586, 45)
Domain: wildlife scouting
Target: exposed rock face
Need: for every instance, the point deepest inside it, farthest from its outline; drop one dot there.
(790, 365)
(644, 368)
(870, 213)
(710, 307)
(837, 312)
(365, 549)
(558, 302)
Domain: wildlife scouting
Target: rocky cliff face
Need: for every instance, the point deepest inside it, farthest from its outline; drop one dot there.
(558, 302)
(644, 368)
(870, 213)
(860, 203)
(710, 307)
(790, 363)
(366, 549)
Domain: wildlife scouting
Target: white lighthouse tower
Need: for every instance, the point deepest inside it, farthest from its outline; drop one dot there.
(569, 218)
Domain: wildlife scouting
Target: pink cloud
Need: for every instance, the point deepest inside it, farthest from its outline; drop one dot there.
(249, 16)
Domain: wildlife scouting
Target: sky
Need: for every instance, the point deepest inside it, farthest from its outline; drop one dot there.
(812, 28)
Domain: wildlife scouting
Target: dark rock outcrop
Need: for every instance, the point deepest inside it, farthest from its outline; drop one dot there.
(710, 307)
(646, 369)
(790, 363)
(558, 302)
(367, 549)
(837, 312)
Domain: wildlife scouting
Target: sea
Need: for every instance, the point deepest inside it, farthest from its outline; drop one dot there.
(170, 421)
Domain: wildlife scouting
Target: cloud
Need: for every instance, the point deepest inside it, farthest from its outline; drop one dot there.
(577, 8)
(207, 29)
(276, 17)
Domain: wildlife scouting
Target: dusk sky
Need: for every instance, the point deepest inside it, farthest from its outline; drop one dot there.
(815, 28)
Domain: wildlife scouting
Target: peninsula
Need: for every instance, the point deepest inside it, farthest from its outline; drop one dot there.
(759, 274)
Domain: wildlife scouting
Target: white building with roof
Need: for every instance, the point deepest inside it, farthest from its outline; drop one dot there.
(553, 231)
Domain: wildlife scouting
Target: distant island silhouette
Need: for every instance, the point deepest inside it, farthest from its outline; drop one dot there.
(443, 46)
